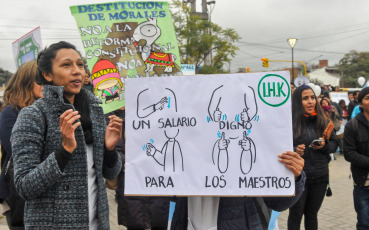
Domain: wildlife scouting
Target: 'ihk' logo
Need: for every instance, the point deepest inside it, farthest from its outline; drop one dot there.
(274, 90)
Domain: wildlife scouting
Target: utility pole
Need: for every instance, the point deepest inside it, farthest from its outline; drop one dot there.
(193, 6)
(207, 59)
(204, 16)
(205, 9)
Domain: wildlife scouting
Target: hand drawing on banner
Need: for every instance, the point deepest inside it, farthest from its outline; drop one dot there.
(144, 110)
(150, 32)
(105, 78)
(248, 154)
(213, 109)
(242, 122)
(222, 158)
(245, 114)
(170, 156)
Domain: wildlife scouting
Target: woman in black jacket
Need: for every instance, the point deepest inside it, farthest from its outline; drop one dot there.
(20, 92)
(309, 124)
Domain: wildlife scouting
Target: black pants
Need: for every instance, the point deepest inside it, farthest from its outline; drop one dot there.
(9, 219)
(308, 204)
(340, 144)
(15, 216)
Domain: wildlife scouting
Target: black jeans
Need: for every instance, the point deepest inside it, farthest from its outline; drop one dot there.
(308, 204)
(361, 203)
(340, 144)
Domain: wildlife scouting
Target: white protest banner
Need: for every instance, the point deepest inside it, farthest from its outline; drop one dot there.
(208, 135)
(337, 96)
(27, 47)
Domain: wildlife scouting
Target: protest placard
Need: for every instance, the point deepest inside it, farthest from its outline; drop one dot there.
(208, 135)
(337, 96)
(126, 40)
(27, 47)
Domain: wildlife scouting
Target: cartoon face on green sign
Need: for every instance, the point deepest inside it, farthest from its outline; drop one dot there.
(274, 90)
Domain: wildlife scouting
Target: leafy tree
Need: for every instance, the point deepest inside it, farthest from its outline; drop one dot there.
(198, 38)
(352, 66)
(4, 76)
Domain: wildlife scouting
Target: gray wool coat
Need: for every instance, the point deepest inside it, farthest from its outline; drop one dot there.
(56, 199)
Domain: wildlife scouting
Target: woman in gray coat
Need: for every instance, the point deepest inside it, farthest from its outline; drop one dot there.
(62, 148)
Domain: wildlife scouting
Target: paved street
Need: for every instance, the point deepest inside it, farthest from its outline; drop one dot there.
(337, 211)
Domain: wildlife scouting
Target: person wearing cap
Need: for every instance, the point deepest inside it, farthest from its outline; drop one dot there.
(356, 152)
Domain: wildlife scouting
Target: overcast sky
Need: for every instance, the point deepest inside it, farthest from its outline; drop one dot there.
(329, 28)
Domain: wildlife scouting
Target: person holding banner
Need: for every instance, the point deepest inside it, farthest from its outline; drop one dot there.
(234, 213)
(20, 92)
(135, 212)
(62, 148)
(314, 144)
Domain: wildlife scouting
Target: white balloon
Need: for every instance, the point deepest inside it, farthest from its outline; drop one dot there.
(311, 85)
(361, 81)
(317, 90)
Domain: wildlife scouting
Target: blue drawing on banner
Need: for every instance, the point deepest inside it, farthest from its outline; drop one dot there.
(237, 118)
(168, 102)
(208, 119)
(152, 141)
(256, 118)
(144, 148)
(248, 132)
(219, 134)
(224, 117)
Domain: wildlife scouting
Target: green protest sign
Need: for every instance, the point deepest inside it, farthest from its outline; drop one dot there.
(27, 47)
(126, 40)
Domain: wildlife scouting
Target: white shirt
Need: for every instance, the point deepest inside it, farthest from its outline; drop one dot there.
(202, 213)
(92, 188)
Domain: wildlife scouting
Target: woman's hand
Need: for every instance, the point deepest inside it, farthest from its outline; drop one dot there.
(300, 149)
(113, 132)
(67, 129)
(293, 161)
(322, 144)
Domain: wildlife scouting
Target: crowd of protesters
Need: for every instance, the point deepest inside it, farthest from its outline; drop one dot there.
(60, 152)
(351, 124)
